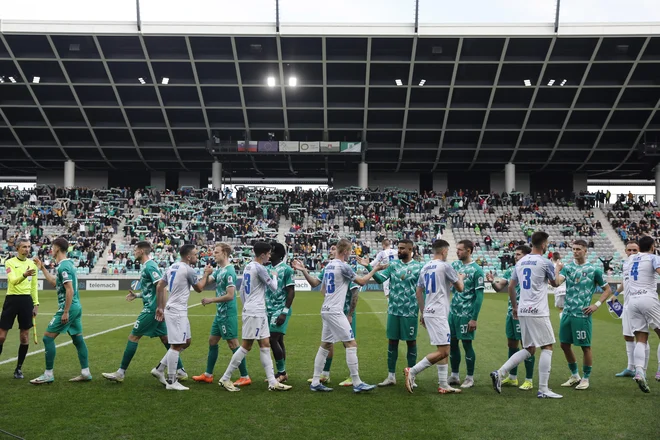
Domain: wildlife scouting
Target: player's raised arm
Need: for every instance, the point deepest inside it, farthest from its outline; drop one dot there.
(365, 279)
(265, 277)
(199, 285)
(498, 285)
(550, 273)
(312, 280)
(560, 274)
(49, 276)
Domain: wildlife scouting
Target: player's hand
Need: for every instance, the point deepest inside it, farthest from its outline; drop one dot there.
(350, 318)
(280, 319)
(35, 310)
(131, 296)
(381, 266)
(65, 317)
(515, 313)
(461, 276)
(489, 277)
(208, 270)
(472, 325)
(160, 317)
(421, 321)
(589, 310)
(297, 265)
(206, 301)
(29, 273)
(39, 263)
(363, 261)
(559, 266)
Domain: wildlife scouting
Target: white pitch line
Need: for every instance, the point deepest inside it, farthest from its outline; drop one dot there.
(32, 353)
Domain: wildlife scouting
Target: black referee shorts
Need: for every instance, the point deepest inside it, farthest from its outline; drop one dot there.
(20, 306)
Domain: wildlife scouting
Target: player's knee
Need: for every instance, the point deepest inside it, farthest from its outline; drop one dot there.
(466, 343)
(134, 338)
(24, 338)
(3, 338)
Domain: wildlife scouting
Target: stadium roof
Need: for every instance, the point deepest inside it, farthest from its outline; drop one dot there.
(472, 101)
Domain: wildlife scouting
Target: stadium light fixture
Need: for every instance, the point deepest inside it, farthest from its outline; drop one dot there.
(563, 82)
(293, 81)
(527, 82)
(551, 82)
(2, 79)
(166, 80)
(270, 81)
(36, 79)
(422, 82)
(398, 82)
(142, 81)
(12, 79)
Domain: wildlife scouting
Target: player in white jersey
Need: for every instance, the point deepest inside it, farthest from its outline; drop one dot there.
(336, 327)
(632, 248)
(560, 292)
(255, 320)
(644, 307)
(433, 289)
(179, 278)
(385, 256)
(533, 272)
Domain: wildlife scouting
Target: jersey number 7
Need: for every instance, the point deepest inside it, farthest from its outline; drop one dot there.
(172, 275)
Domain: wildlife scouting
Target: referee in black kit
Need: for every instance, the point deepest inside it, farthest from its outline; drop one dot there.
(22, 300)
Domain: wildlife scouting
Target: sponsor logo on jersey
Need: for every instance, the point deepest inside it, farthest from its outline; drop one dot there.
(530, 310)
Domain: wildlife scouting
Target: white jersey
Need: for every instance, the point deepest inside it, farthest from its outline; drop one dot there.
(386, 256)
(559, 290)
(336, 281)
(639, 274)
(180, 278)
(436, 278)
(532, 273)
(253, 289)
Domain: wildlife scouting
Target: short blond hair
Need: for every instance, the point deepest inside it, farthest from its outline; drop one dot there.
(344, 246)
(226, 249)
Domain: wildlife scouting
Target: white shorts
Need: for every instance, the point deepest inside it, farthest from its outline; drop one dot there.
(643, 314)
(255, 327)
(625, 322)
(559, 300)
(336, 328)
(178, 327)
(438, 329)
(386, 288)
(536, 331)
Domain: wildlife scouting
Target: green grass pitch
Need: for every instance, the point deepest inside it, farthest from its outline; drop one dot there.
(141, 409)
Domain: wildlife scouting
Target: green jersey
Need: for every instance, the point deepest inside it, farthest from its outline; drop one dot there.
(66, 272)
(276, 300)
(507, 276)
(225, 277)
(403, 279)
(464, 303)
(149, 277)
(349, 295)
(581, 283)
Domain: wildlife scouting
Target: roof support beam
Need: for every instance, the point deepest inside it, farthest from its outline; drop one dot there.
(573, 104)
(75, 96)
(537, 87)
(280, 65)
(239, 78)
(18, 140)
(199, 87)
(449, 97)
(616, 102)
(160, 101)
(490, 102)
(119, 101)
(406, 107)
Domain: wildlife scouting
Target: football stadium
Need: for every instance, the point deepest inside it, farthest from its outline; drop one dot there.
(286, 219)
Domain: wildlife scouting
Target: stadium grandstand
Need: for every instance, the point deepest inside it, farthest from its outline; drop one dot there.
(306, 123)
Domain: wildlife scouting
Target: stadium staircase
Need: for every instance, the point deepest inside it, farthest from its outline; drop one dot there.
(448, 236)
(284, 227)
(609, 231)
(103, 258)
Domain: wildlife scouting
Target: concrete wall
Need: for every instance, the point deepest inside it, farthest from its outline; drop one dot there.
(579, 182)
(189, 179)
(440, 182)
(344, 180)
(399, 180)
(158, 179)
(87, 179)
(497, 182)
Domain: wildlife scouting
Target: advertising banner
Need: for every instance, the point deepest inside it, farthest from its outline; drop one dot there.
(330, 147)
(102, 285)
(289, 146)
(247, 146)
(268, 146)
(310, 147)
(351, 147)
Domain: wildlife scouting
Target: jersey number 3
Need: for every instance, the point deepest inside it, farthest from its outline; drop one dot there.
(246, 279)
(527, 278)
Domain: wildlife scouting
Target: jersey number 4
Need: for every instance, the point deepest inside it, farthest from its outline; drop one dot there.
(634, 271)
(527, 278)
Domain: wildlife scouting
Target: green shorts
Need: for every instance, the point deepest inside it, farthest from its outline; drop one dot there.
(225, 327)
(513, 328)
(575, 331)
(402, 328)
(278, 328)
(73, 326)
(458, 325)
(146, 325)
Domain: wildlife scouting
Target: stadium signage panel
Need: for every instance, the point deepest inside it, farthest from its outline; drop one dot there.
(303, 286)
(310, 147)
(102, 285)
(289, 146)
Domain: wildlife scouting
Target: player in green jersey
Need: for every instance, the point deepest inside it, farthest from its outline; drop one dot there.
(69, 314)
(582, 279)
(225, 323)
(513, 335)
(350, 305)
(145, 324)
(402, 308)
(464, 312)
(278, 308)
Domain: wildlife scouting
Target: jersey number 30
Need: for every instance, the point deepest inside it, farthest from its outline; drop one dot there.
(527, 278)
